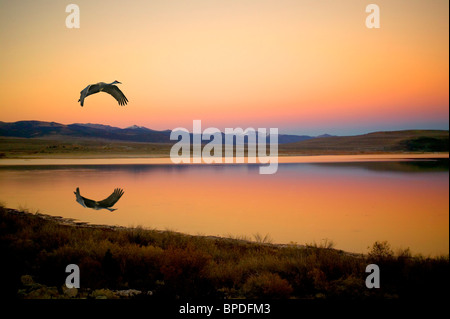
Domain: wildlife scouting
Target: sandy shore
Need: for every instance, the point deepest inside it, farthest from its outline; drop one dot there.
(130, 160)
(75, 223)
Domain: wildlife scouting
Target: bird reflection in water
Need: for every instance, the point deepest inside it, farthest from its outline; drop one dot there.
(107, 203)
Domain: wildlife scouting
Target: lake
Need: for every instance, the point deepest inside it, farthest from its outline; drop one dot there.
(350, 202)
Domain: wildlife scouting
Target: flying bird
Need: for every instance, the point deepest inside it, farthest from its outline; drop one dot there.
(104, 204)
(109, 88)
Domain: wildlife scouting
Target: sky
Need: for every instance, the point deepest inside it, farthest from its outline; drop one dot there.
(302, 66)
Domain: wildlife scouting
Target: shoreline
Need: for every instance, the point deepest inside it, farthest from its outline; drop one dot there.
(114, 159)
(72, 222)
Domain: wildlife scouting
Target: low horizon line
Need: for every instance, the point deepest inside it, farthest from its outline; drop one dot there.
(280, 133)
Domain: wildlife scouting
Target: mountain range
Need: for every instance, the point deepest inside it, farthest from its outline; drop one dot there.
(35, 137)
(57, 131)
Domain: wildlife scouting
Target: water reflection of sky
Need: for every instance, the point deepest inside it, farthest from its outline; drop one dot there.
(353, 204)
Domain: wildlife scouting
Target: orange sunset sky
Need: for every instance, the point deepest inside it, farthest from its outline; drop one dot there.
(303, 66)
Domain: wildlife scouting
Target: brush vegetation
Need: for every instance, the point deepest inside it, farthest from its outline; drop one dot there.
(412, 141)
(409, 141)
(120, 262)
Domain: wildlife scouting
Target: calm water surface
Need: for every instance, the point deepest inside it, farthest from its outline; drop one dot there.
(351, 203)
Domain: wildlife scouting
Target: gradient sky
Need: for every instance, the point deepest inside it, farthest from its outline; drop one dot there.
(304, 66)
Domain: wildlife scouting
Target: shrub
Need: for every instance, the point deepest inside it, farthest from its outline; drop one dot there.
(184, 272)
(319, 279)
(381, 251)
(267, 285)
(351, 287)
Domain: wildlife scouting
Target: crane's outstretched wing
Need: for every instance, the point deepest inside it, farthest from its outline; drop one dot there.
(83, 200)
(112, 199)
(88, 90)
(83, 95)
(116, 93)
(88, 202)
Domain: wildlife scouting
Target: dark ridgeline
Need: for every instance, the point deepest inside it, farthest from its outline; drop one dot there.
(50, 130)
(389, 141)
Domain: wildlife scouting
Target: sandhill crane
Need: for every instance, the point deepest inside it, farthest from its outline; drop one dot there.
(104, 204)
(104, 87)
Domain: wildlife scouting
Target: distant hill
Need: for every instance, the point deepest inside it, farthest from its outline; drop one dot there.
(52, 130)
(392, 141)
(57, 131)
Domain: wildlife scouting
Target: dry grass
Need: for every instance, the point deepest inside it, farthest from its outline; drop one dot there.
(170, 265)
(373, 143)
